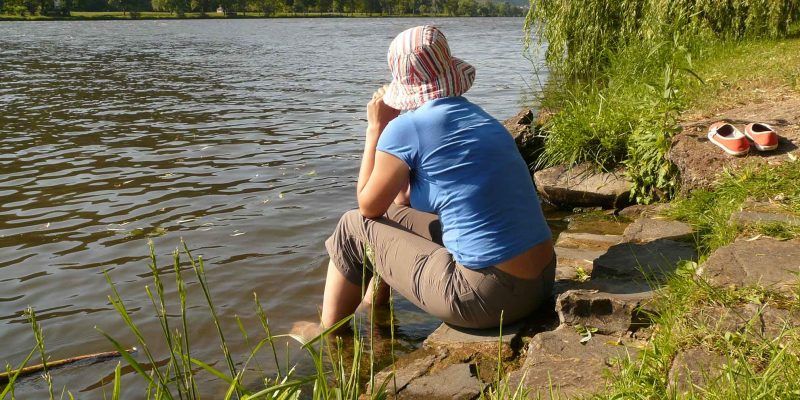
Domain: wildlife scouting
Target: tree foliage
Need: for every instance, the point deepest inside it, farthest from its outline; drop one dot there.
(485, 8)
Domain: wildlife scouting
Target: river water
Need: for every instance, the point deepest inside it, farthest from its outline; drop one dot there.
(242, 137)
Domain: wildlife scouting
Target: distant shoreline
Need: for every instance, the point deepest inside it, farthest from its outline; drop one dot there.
(154, 15)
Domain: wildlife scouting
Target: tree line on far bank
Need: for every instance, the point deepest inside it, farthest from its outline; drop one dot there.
(484, 8)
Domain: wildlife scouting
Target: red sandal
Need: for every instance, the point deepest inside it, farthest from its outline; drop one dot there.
(728, 138)
(762, 135)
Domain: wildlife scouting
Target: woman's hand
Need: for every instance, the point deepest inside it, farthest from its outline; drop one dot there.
(379, 114)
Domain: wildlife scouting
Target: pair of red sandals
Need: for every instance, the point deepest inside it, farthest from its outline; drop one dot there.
(736, 143)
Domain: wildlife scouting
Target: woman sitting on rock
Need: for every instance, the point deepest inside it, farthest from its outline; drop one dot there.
(445, 201)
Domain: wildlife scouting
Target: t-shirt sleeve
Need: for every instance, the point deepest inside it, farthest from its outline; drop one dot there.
(399, 139)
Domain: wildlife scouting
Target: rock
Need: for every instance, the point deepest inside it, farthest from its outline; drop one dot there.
(583, 186)
(640, 210)
(457, 381)
(581, 240)
(519, 126)
(559, 359)
(652, 260)
(404, 372)
(765, 262)
(777, 321)
(700, 162)
(648, 229)
(694, 367)
(570, 261)
(447, 335)
(610, 313)
(746, 217)
(739, 319)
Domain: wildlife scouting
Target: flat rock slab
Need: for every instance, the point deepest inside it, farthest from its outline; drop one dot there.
(583, 186)
(776, 322)
(447, 335)
(744, 319)
(402, 373)
(570, 261)
(749, 217)
(610, 313)
(640, 210)
(764, 262)
(582, 240)
(694, 368)
(457, 381)
(700, 162)
(647, 229)
(559, 360)
(652, 260)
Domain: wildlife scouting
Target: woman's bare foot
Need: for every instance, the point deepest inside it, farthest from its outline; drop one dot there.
(306, 330)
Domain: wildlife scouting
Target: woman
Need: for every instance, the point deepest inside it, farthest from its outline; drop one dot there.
(473, 242)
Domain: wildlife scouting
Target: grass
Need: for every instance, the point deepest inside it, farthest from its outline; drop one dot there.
(623, 73)
(342, 370)
(336, 376)
(709, 211)
(752, 366)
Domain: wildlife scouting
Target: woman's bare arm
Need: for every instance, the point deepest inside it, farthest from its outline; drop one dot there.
(382, 176)
(403, 198)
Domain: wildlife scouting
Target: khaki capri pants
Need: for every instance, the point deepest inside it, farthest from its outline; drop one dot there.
(410, 258)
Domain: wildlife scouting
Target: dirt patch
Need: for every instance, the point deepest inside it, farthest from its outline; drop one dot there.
(701, 163)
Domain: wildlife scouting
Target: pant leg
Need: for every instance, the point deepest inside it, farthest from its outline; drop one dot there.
(422, 271)
(421, 223)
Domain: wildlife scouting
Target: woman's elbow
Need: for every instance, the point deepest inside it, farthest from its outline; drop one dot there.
(370, 212)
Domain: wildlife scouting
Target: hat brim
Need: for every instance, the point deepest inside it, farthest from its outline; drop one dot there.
(455, 82)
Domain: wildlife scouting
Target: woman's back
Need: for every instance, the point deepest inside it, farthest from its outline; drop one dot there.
(465, 167)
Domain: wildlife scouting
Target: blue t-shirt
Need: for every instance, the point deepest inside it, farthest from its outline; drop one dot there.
(466, 168)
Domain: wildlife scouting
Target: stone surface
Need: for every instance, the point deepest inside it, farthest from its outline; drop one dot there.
(646, 229)
(447, 335)
(519, 126)
(559, 359)
(457, 382)
(700, 162)
(610, 313)
(581, 240)
(748, 217)
(583, 186)
(404, 371)
(777, 321)
(640, 210)
(652, 260)
(524, 130)
(570, 260)
(739, 319)
(765, 262)
(694, 367)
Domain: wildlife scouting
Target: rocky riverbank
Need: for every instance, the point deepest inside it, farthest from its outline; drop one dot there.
(613, 268)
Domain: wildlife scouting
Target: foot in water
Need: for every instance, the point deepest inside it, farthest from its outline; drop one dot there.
(306, 330)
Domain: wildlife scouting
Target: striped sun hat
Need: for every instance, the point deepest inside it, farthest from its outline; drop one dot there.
(423, 69)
